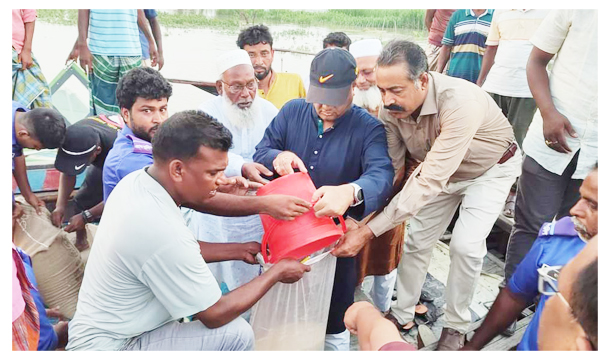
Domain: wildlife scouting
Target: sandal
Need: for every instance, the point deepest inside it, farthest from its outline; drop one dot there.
(402, 328)
(509, 206)
(421, 309)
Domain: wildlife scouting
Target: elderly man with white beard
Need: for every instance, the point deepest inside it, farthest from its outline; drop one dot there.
(246, 115)
(366, 93)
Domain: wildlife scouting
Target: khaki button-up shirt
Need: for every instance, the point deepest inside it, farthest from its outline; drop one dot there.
(459, 134)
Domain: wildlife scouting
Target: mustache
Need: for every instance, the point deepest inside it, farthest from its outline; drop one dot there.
(581, 228)
(394, 107)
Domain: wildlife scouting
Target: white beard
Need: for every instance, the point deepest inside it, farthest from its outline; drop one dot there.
(368, 99)
(241, 118)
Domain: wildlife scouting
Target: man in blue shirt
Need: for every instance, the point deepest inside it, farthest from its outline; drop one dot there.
(143, 94)
(344, 150)
(558, 242)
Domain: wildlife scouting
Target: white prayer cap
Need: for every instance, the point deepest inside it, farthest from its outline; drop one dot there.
(367, 47)
(230, 59)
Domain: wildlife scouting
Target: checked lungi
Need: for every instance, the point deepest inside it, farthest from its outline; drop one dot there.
(107, 71)
(30, 87)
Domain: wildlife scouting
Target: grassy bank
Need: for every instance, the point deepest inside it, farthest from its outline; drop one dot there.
(228, 19)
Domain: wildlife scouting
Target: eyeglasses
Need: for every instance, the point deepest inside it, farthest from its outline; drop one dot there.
(237, 89)
(547, 279)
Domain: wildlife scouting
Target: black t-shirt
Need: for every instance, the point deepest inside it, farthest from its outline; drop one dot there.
(106, 130)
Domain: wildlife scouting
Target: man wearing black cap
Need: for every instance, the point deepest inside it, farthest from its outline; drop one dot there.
(344, 150)
(87, 143)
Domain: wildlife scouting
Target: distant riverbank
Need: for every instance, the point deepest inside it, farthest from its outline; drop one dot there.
(386, 19)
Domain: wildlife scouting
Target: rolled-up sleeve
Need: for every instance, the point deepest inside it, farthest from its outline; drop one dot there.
(376, 180)
(493, 38)
(273, 141)
(28, 15)
(552, 32)
(427, 181)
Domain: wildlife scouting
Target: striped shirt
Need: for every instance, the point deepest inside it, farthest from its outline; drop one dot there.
(114, 32)
(466, 34)
(511, 31)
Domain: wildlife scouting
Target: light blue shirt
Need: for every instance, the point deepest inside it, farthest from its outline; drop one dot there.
(114, 32)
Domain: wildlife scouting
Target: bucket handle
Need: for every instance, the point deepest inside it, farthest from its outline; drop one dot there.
(266, 238)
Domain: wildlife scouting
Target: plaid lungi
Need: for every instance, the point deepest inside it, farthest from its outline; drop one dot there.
(30, 87)
(107, 71)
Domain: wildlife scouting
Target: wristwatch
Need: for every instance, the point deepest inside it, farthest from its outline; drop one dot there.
(358, 194)
(87, 216)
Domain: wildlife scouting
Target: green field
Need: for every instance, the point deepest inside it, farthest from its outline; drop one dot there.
(386, 19)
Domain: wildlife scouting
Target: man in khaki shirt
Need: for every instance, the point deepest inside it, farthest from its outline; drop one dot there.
(468, 155)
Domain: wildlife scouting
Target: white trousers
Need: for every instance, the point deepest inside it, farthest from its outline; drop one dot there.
(381, 292)
(337, 342)
(482, 200)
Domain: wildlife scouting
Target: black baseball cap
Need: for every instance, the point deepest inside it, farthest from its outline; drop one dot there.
(332, 73)
(75, 153)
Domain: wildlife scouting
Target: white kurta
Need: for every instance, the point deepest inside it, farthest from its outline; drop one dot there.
(220, 229)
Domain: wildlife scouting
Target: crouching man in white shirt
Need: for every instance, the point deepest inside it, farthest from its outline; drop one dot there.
(146, 270)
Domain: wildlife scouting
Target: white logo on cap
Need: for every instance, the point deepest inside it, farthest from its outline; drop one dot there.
(78, 167)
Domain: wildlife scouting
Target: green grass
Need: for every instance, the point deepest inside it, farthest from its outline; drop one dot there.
(61, 17)
(230, 19)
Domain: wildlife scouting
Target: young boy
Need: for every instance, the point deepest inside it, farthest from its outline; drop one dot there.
(41, 128)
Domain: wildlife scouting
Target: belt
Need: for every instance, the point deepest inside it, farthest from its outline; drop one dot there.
(509, 153)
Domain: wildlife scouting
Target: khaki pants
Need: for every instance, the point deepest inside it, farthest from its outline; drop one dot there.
(432, 52)
(482, 200)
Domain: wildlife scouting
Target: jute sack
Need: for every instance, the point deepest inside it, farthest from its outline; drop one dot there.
(56, 262)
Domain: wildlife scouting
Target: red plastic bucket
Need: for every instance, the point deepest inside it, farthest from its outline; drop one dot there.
(302, 236)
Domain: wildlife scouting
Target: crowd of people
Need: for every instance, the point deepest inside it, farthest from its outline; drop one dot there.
(399, 141)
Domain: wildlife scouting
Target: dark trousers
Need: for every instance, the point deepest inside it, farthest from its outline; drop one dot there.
(518, 111)
(90, 193)
(541, 196)
(343, 294)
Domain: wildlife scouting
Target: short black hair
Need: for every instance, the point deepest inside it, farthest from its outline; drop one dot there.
(47, 125)
(407, 52)
(584, 301)
(180, 136)
(255, 35)
(143, 82)
(338, 39)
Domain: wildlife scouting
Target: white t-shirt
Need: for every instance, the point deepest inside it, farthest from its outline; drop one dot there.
(572, 35)
(511, 31)
(145, 269)
(244, 140)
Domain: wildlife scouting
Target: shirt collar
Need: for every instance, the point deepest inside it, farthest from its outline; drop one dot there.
(429, 106)
(127, 131)
(471, 13)
(315, 116)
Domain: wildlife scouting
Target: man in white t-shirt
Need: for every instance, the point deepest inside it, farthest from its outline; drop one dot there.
(246, 116)
(503, 72)
(146, 270)
(561, 143)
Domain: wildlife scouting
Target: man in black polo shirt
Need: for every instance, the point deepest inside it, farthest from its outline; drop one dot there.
(87, 143)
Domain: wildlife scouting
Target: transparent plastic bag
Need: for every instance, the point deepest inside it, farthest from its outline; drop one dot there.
(293, 317)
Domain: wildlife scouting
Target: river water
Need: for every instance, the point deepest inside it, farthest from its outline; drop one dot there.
(190, 54)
